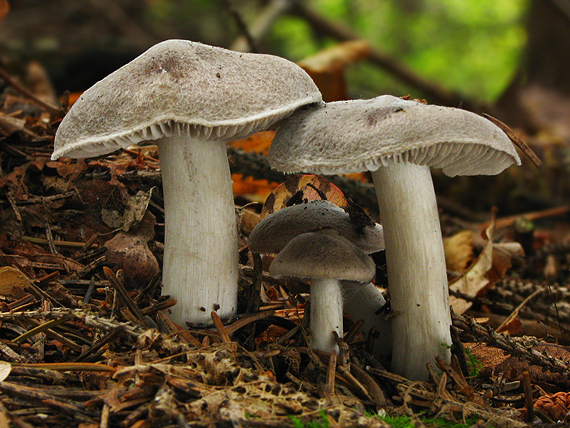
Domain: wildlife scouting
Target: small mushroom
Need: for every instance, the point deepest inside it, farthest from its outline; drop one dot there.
(360, 301)
(325, 258)
(398, 141)
(275, 231)
(190, 98)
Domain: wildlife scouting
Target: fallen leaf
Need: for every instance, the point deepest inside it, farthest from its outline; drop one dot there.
(131, 253)
(5, 369)
(13, 282)
(489, 267)
(327, 67)
(458, 251)
(301, 188)
(258, 142)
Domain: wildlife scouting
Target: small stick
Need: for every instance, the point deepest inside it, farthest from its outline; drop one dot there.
(83, 367)
(48, 107)
(528, 397)
(232, 328)
(88, 244)
(535, 215)
(515, 313)
(517, 141)
(331, 371)
(222, 331)
(12, 202)
(50, 241)
(124, 294)
(89, 268)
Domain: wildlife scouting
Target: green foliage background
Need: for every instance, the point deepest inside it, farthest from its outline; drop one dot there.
(469, 46)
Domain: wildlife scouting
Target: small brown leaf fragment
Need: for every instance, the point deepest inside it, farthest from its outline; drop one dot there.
(327, 67)
(13, 283)
(458, 251)
(301, 188)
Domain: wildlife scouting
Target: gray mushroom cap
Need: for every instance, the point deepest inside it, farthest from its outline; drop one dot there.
(182, 86)
(324, 254)
(359, 135)
(275, 231)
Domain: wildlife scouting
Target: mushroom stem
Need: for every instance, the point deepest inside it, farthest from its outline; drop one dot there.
(201, 252)
(417, 277)
(326, 313)
(363, 301)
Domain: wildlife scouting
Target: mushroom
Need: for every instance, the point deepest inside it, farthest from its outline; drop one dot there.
(360, 301)
(275, 231)
(398, 141)
(190, 98)
(325, 258)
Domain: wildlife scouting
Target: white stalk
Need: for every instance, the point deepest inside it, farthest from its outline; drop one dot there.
(362, 302)
(326, 313)
(415, 259)
(200, 245)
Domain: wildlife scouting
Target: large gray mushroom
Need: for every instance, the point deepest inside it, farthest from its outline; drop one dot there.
(398, 141)
(189, 98)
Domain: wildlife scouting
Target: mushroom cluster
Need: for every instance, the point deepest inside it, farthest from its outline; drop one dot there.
(398, 140)
(318, 241)
(189, 98)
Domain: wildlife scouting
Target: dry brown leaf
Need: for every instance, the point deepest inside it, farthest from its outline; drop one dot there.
(13, 282)
(490, 266)
(458, 251)
(326, 68)
(5, 369)
(251, 189)
(258, 142)
(300, 188)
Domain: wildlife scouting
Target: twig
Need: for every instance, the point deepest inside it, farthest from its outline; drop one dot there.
(242, 26)
(510, 345)
(49, 236)
(528, 396)
(232, 328)
(331, 369)
(516, 140)
(224, 335)
(125, 296)
(516, 311)
(48, 107)
(433, 91)
(535, 215)
(263, 23)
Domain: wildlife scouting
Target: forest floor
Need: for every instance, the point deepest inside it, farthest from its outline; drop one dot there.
(85, 340)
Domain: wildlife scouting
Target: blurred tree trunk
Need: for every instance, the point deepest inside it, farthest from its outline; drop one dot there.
(546, 64)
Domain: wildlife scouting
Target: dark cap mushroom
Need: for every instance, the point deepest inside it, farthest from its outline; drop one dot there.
(398, 141)
(325, 258)
(190, 98)
(275, 231)
(360, 301)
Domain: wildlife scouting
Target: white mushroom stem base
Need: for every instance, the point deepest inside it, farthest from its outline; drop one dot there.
(417, 278)
(200, 266)
(326, 313)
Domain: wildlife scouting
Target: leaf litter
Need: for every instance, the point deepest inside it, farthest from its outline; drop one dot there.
(85, 338)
